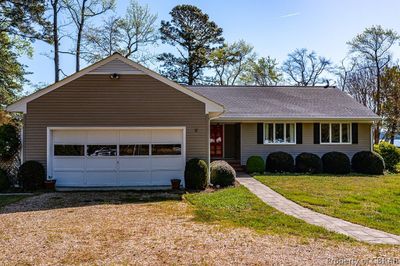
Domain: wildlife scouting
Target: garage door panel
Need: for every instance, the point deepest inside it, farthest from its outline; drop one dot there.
(163, 177)
(69, 136)
(102, 137)
(135, 136)
(69, 178)
(167, 136)
(101, 178)
(133, 163)
(134, 178)
(167, 163)
(101, 164)
(68, 163)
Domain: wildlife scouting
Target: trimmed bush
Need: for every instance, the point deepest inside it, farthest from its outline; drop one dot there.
(9, 141)
(368, 162)
(308, 163)
(390, 154)
(222, 174)
(279, 162)
(255, 164)
(336, 163)
(196, 173)
(4, 181)
(31, 175)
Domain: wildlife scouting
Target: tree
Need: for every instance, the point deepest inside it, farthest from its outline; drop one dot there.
(373, 45)
(229, 62)
(11, 71)
(391, 100)
(357, 79)
(24, 18)
(138, 29)
(305, 68)
(100, 42)
(81, 11)
(127, 35)
(55, 9)
(263, 72)
(195, 37)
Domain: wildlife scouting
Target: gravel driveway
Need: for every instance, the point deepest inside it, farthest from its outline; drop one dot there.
(141, 229)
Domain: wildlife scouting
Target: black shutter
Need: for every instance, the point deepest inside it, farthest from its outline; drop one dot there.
(299, 133)
(354, 133)
(316, 133)
(260, 133)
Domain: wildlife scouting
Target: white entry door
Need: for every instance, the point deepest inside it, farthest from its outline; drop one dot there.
(116, 157)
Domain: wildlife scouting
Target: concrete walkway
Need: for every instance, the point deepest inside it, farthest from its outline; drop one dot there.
(284, 205)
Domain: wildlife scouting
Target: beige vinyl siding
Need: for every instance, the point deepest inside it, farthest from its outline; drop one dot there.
(114, 66)
(98, 101)
(250, 147)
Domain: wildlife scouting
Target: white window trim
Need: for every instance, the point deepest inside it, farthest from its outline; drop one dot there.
(284, 134)
(340, 135)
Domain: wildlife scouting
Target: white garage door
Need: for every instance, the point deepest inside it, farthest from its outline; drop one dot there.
(113, 158)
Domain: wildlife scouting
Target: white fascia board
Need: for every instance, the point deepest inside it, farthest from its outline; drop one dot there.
(21, 105)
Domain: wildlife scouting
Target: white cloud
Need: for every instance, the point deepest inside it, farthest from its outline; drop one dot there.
(290, 15)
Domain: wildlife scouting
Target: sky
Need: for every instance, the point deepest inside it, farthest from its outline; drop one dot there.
(273, 27)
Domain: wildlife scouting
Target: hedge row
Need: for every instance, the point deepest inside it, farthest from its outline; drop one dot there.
(365, 162)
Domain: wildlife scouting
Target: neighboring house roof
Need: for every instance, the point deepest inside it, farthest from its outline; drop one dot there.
(290, 102)
(108, 66)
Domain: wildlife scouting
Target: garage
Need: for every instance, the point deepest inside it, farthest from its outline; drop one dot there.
(116, 157)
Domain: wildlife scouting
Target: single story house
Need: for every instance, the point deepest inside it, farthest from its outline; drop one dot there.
(119, 124)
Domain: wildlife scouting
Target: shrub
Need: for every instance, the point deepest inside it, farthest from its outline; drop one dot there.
(336, 163)
(222, 174)
(279, 162)
(308, 163)
(9, 141)
(390, 154)
(31, 175)
(196, 174)
(368, 162)
(4, 181)
(255, 164)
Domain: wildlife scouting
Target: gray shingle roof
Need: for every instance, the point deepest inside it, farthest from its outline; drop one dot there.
(244, 102)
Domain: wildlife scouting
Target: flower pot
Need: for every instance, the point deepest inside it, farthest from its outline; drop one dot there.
(50, 184)
(175, 183)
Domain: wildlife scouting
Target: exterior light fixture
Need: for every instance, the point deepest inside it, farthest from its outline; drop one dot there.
(114, 76)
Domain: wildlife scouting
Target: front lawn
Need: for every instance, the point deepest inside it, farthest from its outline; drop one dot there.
(373, 201)
(8, 199)
(239, 207)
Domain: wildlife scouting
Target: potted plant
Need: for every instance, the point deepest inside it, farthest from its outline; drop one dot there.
(175, 183)
(50, 183)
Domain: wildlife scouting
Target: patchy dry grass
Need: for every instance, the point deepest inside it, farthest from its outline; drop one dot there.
(105, 228)
(239, 207)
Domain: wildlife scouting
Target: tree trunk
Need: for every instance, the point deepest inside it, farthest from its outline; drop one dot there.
(79, 37)
(393, 130)
(56, 43)
(378, 101)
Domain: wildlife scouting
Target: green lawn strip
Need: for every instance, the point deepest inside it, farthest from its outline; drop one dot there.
(8, 199)
(373, 201)
(239, 207)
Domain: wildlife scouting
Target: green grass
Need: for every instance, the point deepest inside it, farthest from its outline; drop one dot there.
(239, 207)
(373, 201)
(5, 200)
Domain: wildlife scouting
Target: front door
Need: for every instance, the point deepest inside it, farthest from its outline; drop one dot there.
(216, 141)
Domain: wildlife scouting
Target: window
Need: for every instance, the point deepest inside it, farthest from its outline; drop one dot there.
(279, 133)
(166, 149)
(332, 133)
(69, 150)
(134, 150)
(101, 150)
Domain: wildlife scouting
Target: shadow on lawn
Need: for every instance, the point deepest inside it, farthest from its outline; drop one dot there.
(59, 200)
